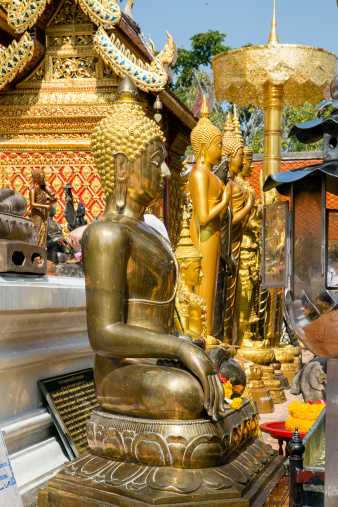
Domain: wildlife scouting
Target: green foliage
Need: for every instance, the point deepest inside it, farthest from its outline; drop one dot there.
(203, 47)
(292, 115)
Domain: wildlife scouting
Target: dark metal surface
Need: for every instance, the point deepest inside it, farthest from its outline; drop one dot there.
(331, 464)
(17, 228)
(296, 450)
(312, 131)
(283, 181)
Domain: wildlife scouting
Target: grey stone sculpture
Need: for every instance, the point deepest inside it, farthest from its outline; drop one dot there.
(311, 380)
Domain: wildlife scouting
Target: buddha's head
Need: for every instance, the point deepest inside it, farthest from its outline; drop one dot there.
(247, 162)
(206, 139)
(232, 148)
(129, 153)
(188, 257)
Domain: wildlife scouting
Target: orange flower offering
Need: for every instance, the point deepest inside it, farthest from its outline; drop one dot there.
(236, 403)
(227, 386)
(303, 416)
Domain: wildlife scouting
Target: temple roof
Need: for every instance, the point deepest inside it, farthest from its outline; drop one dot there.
(312, 131)
(282, 181)
(132, 56)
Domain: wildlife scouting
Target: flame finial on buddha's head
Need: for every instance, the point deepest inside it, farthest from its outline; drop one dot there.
(204, 132)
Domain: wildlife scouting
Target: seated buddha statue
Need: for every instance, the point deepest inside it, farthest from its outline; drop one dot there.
(241, 204)
(210, 199)
(131, 279)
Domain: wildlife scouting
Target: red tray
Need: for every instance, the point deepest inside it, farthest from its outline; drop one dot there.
(277, 430)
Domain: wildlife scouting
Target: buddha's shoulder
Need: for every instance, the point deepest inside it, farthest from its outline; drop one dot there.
(236, 188)
(114, 226)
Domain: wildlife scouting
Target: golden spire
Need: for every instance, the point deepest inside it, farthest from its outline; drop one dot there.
(230, 142)
(186, 251)
(228, 127)
(204, 108)
(237, 125)
(273, 39)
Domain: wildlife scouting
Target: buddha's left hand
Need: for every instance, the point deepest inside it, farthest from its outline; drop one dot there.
(202, 366)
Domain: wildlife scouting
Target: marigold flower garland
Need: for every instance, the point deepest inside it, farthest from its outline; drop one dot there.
(303, 415)
(236, 403)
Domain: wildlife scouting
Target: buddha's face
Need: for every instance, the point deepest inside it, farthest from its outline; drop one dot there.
(213, 154)
(247, 166)
(145, 183)
(193, 274)
(236, 162)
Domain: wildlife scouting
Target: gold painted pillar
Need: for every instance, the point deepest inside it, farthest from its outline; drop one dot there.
(273, 103)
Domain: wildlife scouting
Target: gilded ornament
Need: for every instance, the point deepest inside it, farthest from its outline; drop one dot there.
(23, 14)
(14, 58)
(147, 77)
(104, 13)
(69, 68)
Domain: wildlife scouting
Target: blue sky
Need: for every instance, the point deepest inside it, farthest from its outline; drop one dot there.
(309, 22)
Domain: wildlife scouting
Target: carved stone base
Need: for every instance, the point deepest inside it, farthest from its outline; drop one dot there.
(182, 444)
(277, 393)
(267, 373)
(263, 398)
(283, 380)
(91, 481)
(290, 370)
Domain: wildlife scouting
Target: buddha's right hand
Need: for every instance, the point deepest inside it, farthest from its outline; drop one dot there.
(197, 361)
(226, 195)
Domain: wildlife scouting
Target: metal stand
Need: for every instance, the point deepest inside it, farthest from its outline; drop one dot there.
(296, 450)
(331, 439)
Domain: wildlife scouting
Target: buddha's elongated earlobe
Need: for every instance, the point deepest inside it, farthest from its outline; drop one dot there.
(120, 163)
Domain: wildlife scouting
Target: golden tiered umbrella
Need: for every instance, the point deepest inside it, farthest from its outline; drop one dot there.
(269, 76)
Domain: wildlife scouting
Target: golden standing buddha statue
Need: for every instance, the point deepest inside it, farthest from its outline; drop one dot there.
(246, 306)
(241, 204)
(210, 198)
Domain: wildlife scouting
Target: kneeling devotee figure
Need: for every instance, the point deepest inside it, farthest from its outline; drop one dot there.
(163, 433)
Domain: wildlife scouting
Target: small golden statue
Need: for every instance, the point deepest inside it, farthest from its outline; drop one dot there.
(41, 197)
(191, 307)
(210, 199)
(241, 204)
